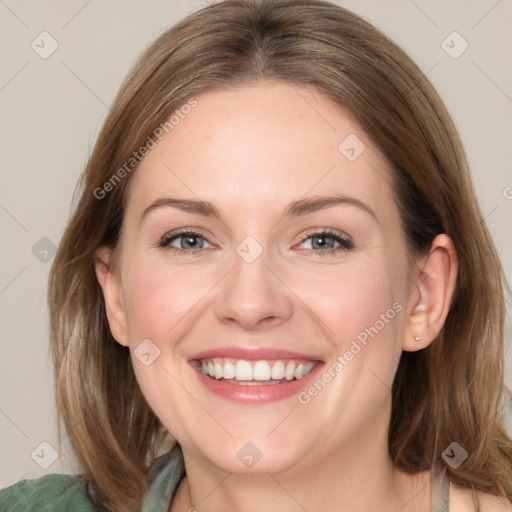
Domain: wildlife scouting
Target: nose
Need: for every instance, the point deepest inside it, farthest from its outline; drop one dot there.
(253, 296)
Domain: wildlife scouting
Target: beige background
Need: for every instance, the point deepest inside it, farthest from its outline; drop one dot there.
(51, 112)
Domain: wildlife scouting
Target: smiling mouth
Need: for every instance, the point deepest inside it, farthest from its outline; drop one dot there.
(253, 373)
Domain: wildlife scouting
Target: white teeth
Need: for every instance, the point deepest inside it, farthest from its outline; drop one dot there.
(229, 370)
(243, 371)
(261, 371)
(307, 368)
(290, 371)
(218, 370)
(278, 370)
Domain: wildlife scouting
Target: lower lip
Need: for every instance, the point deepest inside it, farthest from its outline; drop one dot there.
(260, 393)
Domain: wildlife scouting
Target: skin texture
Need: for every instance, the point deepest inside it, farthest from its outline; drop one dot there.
(250, 151)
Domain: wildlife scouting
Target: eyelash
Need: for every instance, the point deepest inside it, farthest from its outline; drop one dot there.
(345, 242)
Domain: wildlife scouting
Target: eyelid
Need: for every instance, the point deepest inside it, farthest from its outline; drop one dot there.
(325, 231)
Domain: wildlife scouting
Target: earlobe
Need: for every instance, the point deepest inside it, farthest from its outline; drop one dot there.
(434, 281)
(110, 283)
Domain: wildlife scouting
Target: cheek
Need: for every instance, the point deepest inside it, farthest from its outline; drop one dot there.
(159, 297)
(367, 305)
(361, 306)
(355, 298)
(162, 304)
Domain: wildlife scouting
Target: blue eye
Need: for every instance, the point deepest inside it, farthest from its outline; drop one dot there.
(190, 242)
(323, 242)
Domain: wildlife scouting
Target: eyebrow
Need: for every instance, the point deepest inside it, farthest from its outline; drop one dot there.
(296, 208)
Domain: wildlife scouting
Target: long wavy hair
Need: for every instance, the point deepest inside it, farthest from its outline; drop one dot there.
(449, 391)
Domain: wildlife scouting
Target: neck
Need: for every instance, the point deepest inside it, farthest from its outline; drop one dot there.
(356, 476)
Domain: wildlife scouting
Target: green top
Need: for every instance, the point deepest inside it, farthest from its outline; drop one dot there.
(64, 493)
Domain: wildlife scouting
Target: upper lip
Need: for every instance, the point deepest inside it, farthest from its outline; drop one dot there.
(253, 354)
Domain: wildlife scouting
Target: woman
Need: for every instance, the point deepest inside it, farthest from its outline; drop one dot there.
(277, 290)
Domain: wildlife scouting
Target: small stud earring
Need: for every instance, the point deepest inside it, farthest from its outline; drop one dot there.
(420, 307)
(417, 339)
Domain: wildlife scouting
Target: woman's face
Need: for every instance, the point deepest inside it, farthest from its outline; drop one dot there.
(257, 291)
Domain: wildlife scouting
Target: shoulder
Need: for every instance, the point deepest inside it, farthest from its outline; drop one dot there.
(461, 500)
(55, 493)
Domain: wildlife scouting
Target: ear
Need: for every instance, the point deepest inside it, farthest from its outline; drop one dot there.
(434, 278)
(110, 282)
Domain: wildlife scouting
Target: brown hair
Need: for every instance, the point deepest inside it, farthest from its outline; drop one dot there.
(447, 392)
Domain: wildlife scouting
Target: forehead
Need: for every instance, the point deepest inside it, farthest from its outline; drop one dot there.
(258, 146)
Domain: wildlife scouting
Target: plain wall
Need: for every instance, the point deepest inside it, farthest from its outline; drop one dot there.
(52, 109)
